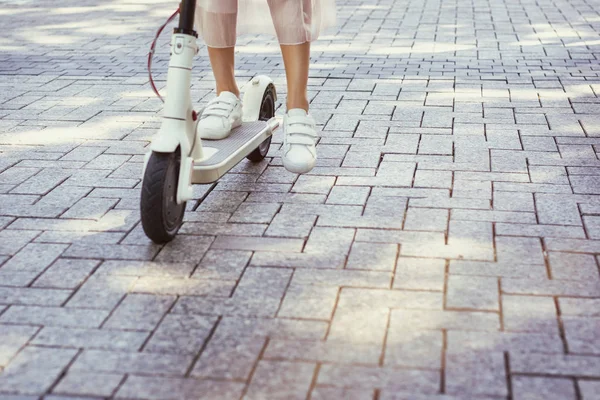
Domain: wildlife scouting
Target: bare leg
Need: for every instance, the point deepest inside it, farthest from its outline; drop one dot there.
(222, 61)
(296, 59)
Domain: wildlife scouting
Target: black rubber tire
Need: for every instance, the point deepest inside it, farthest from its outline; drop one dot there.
(267, 111)
(161, 215)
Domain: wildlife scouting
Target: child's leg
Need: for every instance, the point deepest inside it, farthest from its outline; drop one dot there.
(291, 19)
(296, 59)
(224, 112)
(222, 61)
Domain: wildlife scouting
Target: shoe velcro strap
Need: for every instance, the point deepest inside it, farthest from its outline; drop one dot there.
(306, 140)
(300, 121)
(216, 112)
(224, 104)
(302, 129)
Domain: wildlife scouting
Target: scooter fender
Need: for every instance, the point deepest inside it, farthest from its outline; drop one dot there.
(173, 133)
(164, 144)
(253, 96)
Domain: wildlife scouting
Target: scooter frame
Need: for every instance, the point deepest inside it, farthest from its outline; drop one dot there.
(178, 127)
(177, 157)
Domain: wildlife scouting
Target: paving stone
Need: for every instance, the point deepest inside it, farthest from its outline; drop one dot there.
(322, 259)
(182, 286)
(339, 278)
(434, 319)
(542, 388)
(412, 349)
(326, 393)
(539, 230)
(313, 184)
(11, 242)
(93, 384)
(573, 266)
(90, 338)
(433, 179)
(255, 213)
(394, 207)
(259, 293)
(315, 302)
(348, 195)
(13, 338)
(42, 182)
(511, 201)
(478, 293)
(144, 268)
(35, 257)
(572, 245)
(222, 264)
(35, 369)
(419, 274)
(329, 351)
(101, 291)
(326, 240)
(178, 388)
(131, 363)
(273, 328)
(592, 226)
(362, 298)
(33, 296)
(180, 334)
(529, 314)
(372, 256)
(460, 341)
(583, 307)
(477, 373)
(281, 380)
(419, 381)
(472, 189)
(555, 364)
(139, 311)
(550, 287)
(66, 273)
(90, 208)
(184, 249)
(53, 316)
(112, 252)
(588, 389)
(426, 219)
(581, 333)
(79, 237)
(257, 244)
(17, 278)
(229, 357)
(289, 225)
(519, 250)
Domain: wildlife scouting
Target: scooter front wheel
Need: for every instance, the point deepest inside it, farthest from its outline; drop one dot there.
(161, 215)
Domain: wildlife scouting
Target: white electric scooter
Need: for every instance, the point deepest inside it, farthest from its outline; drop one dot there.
(177, 156)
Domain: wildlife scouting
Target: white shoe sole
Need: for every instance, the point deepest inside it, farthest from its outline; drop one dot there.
(298, 168)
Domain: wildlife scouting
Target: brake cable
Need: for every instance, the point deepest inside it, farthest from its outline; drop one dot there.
(152, 50)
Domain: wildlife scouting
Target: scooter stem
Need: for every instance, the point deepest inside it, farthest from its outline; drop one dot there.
(187, 11)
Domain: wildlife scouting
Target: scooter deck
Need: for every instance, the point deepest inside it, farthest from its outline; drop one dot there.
(228, 152)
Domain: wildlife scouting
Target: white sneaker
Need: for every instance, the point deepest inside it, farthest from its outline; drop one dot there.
(220, 116)
(299, 137)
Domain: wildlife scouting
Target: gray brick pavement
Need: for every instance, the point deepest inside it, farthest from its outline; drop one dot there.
(446, 245)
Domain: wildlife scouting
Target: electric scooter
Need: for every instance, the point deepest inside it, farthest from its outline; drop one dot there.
(177, 157)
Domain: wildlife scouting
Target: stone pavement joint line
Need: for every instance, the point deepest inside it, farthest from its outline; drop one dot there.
(445, 246)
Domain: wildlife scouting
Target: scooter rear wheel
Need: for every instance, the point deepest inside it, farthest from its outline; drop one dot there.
(161, 215)
(267, 111)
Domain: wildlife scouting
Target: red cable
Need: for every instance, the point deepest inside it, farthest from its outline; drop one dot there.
(151, 53)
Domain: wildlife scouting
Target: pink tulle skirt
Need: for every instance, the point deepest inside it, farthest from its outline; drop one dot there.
(219, 22)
